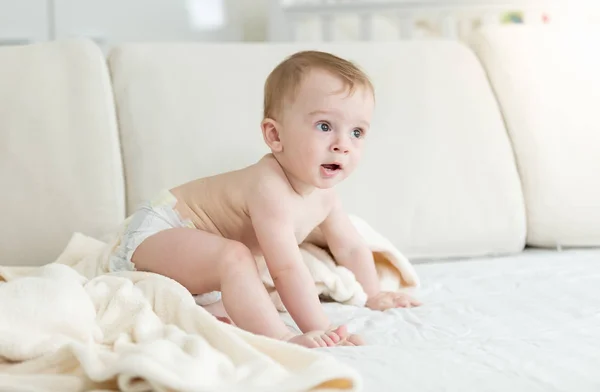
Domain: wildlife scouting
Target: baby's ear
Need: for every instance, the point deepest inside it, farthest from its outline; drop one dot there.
(270, 131)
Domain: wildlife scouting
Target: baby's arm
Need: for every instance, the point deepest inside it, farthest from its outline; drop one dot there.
(349, 248)
(273, 225)
(351, 251)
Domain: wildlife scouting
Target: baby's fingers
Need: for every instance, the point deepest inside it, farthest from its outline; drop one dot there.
(319, 340)
(415, 302)
(338, 334)
(356, 340)
(401, 301)
(341, 331)
(328, 340)
(334, 337)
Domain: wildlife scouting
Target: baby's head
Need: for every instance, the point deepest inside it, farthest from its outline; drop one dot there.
(317, 112)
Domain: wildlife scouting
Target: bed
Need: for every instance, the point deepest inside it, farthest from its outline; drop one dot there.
(527, 322)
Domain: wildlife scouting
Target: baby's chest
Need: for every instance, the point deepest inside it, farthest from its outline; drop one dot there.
(307, 220)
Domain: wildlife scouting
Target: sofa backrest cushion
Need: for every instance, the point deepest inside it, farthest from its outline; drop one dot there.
(60, 164)
(438, 176)
(547, 80)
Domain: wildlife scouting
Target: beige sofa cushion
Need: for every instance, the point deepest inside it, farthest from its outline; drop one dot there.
(548, 84)
(438, 177)
(60, 165)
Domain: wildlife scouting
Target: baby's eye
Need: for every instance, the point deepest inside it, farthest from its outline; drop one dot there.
(323, 127)
(357, 133)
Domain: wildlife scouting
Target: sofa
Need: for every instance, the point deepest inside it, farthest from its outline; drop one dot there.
(482, 168)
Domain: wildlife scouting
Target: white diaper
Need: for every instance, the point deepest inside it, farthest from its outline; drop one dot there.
(150, 218)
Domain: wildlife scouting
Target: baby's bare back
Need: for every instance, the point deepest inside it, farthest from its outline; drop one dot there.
(219, 204)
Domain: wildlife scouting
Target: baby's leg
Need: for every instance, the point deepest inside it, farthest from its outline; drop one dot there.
(204, 262)
(217, 310)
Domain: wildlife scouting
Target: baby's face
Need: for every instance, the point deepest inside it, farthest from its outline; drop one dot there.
(323, 130)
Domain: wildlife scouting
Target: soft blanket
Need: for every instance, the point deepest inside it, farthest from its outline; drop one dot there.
(71, 326)
(136, 331)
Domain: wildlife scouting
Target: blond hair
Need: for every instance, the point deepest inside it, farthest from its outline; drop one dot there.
(283, 81)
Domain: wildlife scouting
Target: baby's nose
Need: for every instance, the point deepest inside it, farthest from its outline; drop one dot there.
(340, 147)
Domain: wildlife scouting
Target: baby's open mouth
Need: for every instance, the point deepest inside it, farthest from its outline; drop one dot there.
(332, 166)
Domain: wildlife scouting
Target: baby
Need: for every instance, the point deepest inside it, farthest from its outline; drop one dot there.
(205, 234)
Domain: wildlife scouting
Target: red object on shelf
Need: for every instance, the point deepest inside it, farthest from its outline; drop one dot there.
(545, 18)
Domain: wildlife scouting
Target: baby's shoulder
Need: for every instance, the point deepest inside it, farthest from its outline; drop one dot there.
(268, 178)
(267, 183)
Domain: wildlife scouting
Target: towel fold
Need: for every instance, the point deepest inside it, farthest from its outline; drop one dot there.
(64, 327)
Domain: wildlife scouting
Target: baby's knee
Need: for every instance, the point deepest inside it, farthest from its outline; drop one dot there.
(237, 256)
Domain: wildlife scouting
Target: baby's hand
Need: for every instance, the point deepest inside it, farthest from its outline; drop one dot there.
(387, 300)
(352, 340)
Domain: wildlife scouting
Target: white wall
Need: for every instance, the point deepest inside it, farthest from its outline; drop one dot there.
(252, 16)
(111, 21)
(254, 19)
(22, 21)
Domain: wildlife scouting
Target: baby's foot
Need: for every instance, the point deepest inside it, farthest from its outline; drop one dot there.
(315, 339)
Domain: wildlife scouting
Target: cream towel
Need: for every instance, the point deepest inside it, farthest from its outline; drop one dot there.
(65, 328)
(339, 284)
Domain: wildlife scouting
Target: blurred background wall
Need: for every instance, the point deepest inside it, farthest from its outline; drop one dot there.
(111, 21)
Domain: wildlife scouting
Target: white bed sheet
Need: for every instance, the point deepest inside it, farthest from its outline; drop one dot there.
(529, 322)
